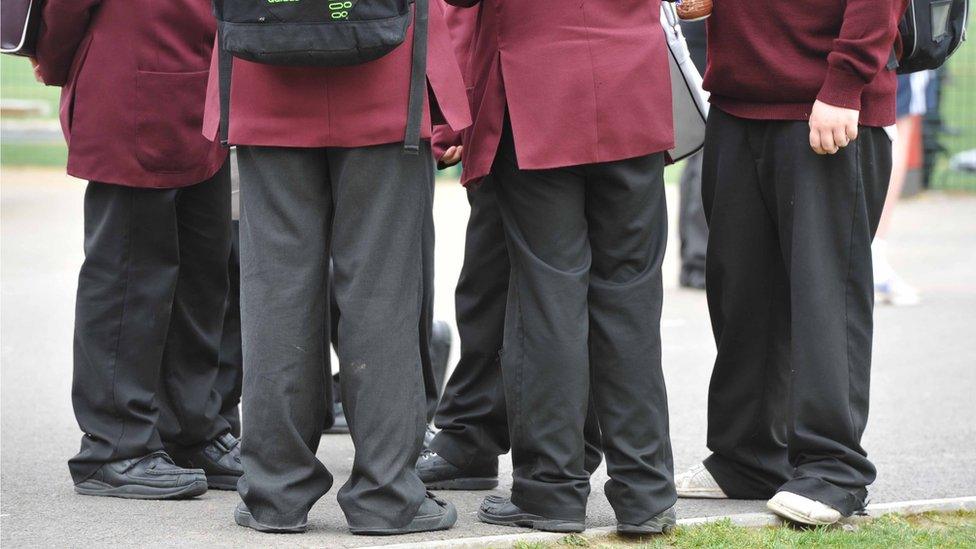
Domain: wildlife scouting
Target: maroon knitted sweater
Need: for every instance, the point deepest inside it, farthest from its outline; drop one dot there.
(770, 59)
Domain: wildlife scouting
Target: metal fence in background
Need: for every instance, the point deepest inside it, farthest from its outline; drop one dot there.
(949, 131)
(29, 131)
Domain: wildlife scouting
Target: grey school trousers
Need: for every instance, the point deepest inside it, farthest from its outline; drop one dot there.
(366, 207)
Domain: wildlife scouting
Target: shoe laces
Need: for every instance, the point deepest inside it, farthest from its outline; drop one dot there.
(427, 453)
(697, 470)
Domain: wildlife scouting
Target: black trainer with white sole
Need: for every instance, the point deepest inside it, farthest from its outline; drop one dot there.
(153, 476)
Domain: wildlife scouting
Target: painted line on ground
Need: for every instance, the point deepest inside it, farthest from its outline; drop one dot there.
(748, 520)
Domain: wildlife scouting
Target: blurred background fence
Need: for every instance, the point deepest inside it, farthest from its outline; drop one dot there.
(945, 156)
(949, 132)
(29, 131)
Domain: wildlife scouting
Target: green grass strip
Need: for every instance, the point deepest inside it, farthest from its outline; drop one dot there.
(929, 530)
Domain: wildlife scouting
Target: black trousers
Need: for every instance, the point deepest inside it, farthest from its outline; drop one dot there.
(583, 317)
(365, 208)
(790, 293)
(692, 227)
(472, 416)
(148, 319)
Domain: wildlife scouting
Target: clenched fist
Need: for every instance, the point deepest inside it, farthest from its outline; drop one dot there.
(831, 128)
(452, 156)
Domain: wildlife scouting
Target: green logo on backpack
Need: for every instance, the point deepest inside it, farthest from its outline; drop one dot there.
(340, 9)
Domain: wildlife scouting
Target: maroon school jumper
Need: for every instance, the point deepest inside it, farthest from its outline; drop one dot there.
(771, 59)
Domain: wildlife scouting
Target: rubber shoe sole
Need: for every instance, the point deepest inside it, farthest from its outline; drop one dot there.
(428, 523)
(661, 524)
(701, 493)
(789, 514)
(138, 491)
(243, 517)
(466, 483)
(528, 520)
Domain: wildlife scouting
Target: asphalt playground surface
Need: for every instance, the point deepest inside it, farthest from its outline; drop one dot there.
(921, 433)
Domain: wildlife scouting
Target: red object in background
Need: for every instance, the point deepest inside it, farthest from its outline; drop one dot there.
(916, 153)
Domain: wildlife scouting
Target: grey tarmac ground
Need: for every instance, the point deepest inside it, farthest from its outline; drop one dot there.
(921, 434)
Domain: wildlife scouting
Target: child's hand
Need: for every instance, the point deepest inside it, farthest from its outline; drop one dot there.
(37, 70)
(452, 156)
(831, 128)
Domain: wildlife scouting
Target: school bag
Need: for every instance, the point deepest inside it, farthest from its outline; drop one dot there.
(689, 102)
(322, 33)
(19, 22)
(931, 31)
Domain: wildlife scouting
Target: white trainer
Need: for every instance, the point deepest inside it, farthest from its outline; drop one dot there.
(802, 509)
(889, 288)
(698, 483)
(895, 291)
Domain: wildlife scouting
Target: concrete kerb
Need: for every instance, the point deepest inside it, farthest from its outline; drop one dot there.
(748, 520)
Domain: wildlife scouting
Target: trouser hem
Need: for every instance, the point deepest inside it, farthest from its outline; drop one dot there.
(638, 514)
(457, 453)
(847, 501)
(549, 510)
(739, 481)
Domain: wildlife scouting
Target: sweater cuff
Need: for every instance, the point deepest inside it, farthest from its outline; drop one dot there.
(841, 89)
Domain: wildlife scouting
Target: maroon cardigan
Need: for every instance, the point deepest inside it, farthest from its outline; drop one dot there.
(134, 77)
(771, 59)
(584, 81)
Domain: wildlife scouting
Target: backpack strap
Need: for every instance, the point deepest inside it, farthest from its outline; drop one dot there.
(225, 64)
(418, 79)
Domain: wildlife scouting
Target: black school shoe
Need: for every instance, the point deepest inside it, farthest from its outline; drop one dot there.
(692, 278)
(339, 424)
(501, 511)
(243, 517)
(434, 514)
(153, 476)
(220, 460)
(661, 523)
(439, 474)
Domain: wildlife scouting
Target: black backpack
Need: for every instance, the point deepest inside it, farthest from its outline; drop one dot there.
(322, 33)
(931, 31)
(19, 23)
